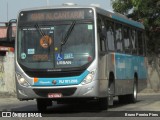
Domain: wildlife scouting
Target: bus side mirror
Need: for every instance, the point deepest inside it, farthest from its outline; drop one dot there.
(11, 31)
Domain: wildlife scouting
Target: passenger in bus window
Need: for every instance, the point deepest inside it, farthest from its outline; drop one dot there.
(119, 38)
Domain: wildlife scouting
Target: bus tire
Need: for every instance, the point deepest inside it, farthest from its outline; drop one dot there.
(111, 85)
(111, 89)
(133, 97)
(41, 105)
(103, 103)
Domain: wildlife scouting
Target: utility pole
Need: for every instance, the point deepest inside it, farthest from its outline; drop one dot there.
(47, 2)
(7, 11)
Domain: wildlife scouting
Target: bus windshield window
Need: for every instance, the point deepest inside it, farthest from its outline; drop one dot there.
(41, 47)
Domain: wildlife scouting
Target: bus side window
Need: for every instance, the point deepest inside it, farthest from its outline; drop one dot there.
(110, 35)
(102, 33)
(134, 42)
(140, 43)
(126, 38)
(118, 35)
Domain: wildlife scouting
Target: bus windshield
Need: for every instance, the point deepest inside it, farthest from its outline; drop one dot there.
(56, 46)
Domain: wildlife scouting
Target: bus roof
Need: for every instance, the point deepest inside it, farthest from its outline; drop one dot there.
(112, 15)
(120, 17)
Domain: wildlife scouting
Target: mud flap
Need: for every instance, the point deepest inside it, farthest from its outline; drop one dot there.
(110, 100)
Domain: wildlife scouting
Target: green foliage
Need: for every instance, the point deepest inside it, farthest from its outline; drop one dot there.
(122, 6)
(147, 12)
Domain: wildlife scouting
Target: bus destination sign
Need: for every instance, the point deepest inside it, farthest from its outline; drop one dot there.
(51, 15)
(57, 15)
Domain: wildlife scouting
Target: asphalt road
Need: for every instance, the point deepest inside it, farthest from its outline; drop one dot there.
(146, 104)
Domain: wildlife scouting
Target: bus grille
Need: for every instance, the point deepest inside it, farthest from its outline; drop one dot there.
(64, 91)
(41, 74)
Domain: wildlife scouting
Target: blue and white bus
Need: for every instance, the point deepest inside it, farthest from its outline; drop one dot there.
(77, 52)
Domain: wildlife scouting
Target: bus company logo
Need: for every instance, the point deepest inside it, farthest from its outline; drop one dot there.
(54, 82)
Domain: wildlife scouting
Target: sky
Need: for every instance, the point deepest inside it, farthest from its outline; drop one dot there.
(14, 6)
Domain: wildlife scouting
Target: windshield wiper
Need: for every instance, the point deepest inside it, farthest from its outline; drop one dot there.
(40, 31)
(44, 37)
(69, 31)
(42, 34)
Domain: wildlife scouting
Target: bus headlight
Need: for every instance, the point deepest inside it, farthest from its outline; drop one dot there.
(89, 78)
(22, 81)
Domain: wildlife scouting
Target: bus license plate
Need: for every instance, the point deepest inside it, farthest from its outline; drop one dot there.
(54, 95)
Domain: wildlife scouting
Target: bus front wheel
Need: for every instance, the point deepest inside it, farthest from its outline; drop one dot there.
(42, 104)
(103, 103)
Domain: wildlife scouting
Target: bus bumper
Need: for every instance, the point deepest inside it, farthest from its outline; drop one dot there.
(83, 91)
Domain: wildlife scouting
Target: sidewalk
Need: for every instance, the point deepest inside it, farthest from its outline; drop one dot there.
(148, 91)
